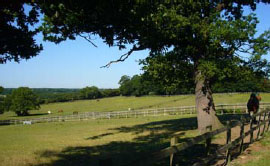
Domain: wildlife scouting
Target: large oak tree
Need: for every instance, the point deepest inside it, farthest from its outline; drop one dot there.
(203, 33)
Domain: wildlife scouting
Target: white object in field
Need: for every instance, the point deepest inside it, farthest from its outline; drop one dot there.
(27, 122)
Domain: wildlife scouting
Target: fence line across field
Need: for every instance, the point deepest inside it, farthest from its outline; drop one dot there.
(183, 110)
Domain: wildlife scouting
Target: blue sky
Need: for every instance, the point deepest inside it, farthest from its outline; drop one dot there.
(76, 64)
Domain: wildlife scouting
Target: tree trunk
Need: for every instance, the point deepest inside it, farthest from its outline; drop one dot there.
(206, 114)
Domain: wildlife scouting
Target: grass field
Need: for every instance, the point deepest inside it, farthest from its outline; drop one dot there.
(84, 143)
(123, 103)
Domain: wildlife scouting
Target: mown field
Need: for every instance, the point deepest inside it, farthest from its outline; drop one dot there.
(124, 103)
(86, 142)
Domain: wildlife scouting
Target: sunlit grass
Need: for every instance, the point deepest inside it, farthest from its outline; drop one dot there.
(46, 143)
(124, 103)
(25, 144)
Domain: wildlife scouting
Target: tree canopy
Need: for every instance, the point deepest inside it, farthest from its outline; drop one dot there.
(176, 75)
(21, 101)
(90, 93)
(17, 32)
(136, 86)
(157, 26)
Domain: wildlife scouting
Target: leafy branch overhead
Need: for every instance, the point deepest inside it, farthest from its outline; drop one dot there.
(199, 29)
(17, 32)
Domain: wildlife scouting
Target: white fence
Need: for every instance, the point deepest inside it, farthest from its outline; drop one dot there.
(220, 108)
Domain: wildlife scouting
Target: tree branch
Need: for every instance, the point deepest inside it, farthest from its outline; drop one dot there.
(88, 39)
(239, 56)
(124, 56)
(245, 51)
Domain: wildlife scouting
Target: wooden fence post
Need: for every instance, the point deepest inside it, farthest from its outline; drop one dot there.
(264, 117)
(268, 121)
(251, 130)
(242, 135)
(93, 115)
(228, 141)
(259, 124)
(208, 140)
(174, 140)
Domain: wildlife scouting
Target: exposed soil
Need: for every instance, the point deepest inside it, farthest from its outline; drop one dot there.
(244, 157)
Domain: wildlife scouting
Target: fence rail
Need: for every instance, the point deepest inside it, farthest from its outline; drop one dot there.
(184, 110)
(264, 121)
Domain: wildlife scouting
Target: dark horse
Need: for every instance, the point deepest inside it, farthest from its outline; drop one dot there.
(253, 104)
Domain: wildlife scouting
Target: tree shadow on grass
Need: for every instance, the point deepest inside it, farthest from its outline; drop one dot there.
(125, 152)
(231, 117)
(99, 136)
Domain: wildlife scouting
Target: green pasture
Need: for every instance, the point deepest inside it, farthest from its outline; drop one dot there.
(124, 103)
(84, 143)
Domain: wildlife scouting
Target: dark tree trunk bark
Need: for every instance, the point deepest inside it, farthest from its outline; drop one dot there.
(206, 114)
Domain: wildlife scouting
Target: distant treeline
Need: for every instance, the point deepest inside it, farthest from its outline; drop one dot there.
(140, 85)
(44, 91)
(52, 95)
